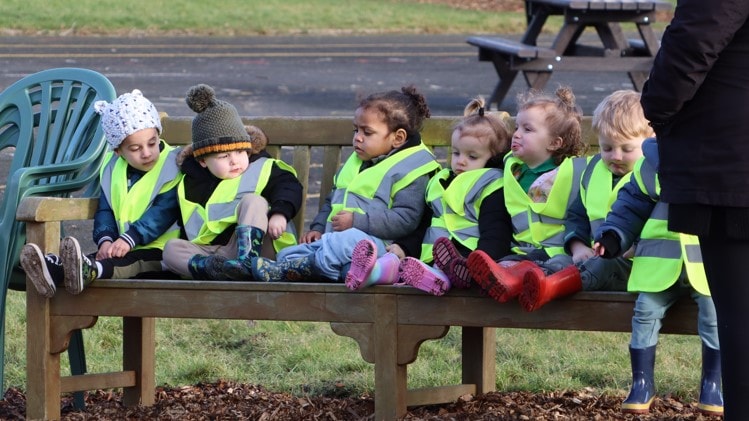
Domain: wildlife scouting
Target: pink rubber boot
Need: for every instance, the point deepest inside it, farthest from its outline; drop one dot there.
(363, 259)
(448, 259)
(367, 270)
(419, 275)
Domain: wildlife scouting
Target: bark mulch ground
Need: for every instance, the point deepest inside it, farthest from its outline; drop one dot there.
(234, 401)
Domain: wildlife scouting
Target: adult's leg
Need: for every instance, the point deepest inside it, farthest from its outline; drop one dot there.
(725, 266)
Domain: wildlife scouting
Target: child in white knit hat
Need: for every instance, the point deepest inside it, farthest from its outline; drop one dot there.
(138, 206)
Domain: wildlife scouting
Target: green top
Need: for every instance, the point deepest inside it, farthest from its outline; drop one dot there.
(526, 176)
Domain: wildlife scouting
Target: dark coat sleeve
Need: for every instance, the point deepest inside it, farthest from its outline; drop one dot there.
(690, 46)
(576, 225)
(628, 215)
(160, 216)
(495, 226)
(105, 224)
(283, 193)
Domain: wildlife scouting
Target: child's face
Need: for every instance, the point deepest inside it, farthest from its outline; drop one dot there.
(532, 143)
(141, 149)
(226, 165)
(621, 154)
(372, 138)
(468, 153)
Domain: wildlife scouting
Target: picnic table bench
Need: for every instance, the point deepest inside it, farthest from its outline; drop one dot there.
(567, 52)
(388, 322)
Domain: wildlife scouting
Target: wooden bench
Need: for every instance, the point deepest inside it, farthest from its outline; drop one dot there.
(388, 323)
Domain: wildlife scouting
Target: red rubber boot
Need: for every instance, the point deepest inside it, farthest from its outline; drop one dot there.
(501, 283)
(539, 289)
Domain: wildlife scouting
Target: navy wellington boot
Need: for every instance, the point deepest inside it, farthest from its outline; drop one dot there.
(249, 243)
(711, 397)
(642, 393)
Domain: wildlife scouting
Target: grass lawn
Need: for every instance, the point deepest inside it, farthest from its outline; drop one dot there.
(304, 357)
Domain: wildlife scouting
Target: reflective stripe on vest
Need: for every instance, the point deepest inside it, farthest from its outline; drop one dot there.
(129, 204)
(373, 189)
(596, 191)
(204, 224)
(456, 208)
(541, 225)
(660, 253)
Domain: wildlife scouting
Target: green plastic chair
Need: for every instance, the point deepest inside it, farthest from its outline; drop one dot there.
(49, 120)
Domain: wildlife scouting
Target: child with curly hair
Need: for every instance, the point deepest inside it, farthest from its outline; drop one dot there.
(377, 193)
(542, 177)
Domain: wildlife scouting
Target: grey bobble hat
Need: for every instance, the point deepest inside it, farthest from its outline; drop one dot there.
(217, 127)
(129, 113)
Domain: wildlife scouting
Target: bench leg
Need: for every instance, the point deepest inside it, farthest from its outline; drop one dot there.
(138, 354)
(42, 365)
(536, 80)
(478, 358)
(390, 377)
(506, 78)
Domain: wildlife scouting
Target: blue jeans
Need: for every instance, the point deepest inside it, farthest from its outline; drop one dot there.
(332, 252)
(651, 307)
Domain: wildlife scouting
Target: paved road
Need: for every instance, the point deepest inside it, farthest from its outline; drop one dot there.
(299, 76)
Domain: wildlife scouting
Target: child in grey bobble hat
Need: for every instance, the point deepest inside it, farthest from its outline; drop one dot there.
(138, 206)
(236, 203)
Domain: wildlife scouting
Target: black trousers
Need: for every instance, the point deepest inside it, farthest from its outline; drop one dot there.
(726, 267)
(724, 241)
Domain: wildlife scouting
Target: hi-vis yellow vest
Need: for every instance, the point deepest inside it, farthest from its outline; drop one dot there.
(597, 192)
(541, 225)
(455, 209)
(204, 224)
(128, 205)
(660, 253)
(373, 189)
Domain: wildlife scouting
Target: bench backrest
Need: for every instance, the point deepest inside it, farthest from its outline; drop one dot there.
(316, 146)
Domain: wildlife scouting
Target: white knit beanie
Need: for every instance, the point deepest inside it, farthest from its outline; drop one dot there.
(126, 115)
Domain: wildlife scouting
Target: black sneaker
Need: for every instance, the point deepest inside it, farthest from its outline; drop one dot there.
(78, 269)
(45, 272)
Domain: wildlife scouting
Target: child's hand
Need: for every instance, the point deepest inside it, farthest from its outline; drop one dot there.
(581, 252)
(310, 237)
(629, 253)
(396, 250)
(276, 225)
(119, 248)
(103, 252)
(343, 220)
(599, 249)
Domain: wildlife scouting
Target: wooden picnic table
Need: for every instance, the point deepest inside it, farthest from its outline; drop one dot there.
(567, 51)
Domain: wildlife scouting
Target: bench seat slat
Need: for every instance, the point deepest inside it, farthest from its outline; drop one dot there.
(511, 47)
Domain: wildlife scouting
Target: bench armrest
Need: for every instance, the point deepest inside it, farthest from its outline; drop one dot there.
(55, 209)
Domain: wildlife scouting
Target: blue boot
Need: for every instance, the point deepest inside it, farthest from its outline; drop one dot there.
(249, 243)
(266, 270)
(642, 393)
(711, 398)
(206, 267)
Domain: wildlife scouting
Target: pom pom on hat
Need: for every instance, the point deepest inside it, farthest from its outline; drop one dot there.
(218, 126)
(129, 113)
